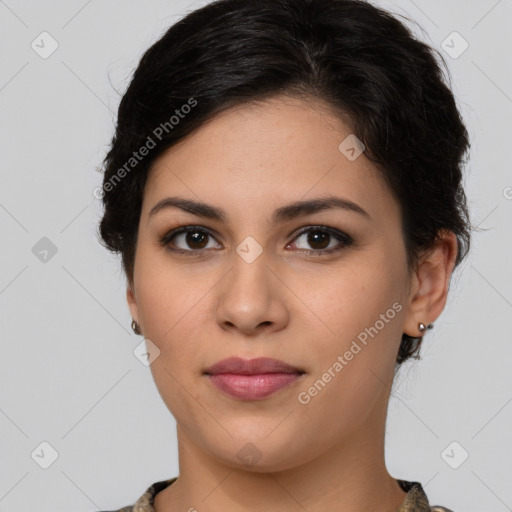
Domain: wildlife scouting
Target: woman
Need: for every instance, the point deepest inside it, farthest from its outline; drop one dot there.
(285, 189)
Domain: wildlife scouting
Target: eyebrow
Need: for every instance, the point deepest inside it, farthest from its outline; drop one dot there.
(282, 214)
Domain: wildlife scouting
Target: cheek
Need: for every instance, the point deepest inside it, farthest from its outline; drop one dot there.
(353, 298)
(172, 303)
(172, 308)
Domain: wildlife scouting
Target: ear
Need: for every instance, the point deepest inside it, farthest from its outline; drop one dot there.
(430, 284)
(132, 302)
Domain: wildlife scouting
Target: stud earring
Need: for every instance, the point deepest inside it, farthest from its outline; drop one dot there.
(135, 327)
(422, 327)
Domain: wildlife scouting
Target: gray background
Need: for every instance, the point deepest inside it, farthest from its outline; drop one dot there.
(68, 375)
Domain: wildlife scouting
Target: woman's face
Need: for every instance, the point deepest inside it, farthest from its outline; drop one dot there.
(252, 284)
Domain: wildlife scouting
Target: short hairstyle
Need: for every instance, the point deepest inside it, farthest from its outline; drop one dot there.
(359, 60)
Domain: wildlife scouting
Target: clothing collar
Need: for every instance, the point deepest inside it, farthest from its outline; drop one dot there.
(415, 500)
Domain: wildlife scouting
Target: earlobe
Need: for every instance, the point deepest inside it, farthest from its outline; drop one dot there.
(132, 303)
(432, 279)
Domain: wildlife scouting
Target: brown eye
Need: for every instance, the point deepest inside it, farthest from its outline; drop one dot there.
(319, 239)
(196, 239)
(189, 239)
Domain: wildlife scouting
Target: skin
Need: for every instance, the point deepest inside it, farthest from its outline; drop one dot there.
(288, 304)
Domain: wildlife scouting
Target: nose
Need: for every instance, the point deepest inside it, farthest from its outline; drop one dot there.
(252, 299)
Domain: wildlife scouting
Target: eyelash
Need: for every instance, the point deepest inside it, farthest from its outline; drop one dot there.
(345, 239)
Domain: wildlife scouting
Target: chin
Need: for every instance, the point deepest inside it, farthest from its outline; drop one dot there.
(263, 455)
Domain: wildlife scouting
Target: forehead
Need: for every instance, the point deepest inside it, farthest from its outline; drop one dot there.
(275, 151)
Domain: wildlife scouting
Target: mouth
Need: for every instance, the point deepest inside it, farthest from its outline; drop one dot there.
(252, 379)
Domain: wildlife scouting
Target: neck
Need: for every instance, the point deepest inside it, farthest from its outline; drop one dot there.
(350, 476)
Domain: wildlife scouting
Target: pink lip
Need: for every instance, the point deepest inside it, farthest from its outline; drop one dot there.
(252, 379)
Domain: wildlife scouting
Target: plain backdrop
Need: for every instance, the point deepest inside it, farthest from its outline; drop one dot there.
(73, 396)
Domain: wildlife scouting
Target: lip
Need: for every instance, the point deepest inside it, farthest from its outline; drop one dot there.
(252, 379)
(255, 366)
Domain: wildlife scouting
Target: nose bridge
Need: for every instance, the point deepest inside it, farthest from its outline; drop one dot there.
(250, 294)
(250, 273)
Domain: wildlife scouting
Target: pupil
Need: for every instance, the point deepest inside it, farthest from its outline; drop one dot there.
(313, 238)
(194, 237)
